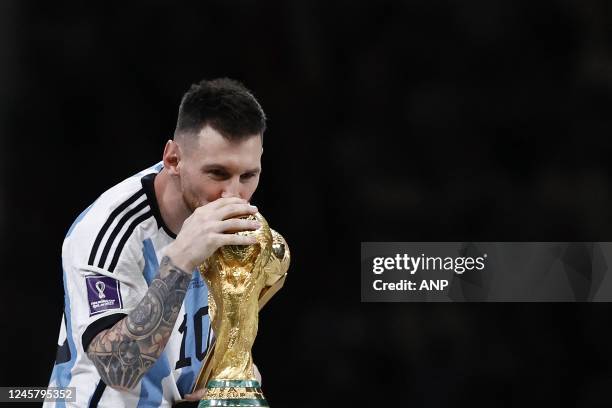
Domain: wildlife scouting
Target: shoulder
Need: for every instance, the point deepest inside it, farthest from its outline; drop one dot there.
(105, 227)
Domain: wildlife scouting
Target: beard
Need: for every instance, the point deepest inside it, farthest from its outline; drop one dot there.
(192, 202)
(190, 198)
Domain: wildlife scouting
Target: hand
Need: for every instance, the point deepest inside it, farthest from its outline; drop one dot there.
(209, 227)
(199, 394)
(196, 395)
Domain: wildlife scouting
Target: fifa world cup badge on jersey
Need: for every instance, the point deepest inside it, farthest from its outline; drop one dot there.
(102, 294)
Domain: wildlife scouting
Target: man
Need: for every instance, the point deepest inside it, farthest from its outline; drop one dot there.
(136, 325)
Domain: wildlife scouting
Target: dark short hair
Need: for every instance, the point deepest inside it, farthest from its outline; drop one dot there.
(224, 104)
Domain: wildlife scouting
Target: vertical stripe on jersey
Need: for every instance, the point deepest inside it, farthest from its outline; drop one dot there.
(62, 373)
(150, 258)
(151, 389)
(196, 298)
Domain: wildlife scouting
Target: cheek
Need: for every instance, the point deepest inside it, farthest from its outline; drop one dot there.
(189, 195)
(249, 189)
(196, 191)
(208, 191)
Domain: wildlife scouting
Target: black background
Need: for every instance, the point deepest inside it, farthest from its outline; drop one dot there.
(388, 121)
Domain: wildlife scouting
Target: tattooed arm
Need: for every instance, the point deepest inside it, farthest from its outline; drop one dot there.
(124, 353)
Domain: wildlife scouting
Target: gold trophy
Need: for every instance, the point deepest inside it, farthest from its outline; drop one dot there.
(241, 280)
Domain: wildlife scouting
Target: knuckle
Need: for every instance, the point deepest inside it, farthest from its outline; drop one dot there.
(211, 226)
(225, 224)
(215, 240)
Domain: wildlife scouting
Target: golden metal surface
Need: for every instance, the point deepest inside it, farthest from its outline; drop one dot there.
(233, 392)
(240, 279)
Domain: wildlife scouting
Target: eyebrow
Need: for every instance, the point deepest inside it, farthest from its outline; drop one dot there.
(210, 167)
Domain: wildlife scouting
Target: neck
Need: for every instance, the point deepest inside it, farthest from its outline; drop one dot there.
(170, 200)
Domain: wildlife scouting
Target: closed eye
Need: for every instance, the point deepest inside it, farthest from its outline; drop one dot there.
(248, 176)
(218, 174)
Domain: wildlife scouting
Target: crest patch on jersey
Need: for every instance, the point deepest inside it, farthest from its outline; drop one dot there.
(103, 294)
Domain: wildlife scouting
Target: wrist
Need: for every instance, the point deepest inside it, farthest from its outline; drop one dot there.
(179, 259)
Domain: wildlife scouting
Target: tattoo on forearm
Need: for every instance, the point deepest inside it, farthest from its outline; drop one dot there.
(124, 353)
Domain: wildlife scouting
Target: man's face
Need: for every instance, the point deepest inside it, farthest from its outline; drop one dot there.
(212, 167)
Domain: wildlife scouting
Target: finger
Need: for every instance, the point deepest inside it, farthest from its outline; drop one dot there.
(220, 202)
(234, 210)
(236, 224)
(196, 395)
(235, 239)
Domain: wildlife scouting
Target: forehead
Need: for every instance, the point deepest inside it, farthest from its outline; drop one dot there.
(211, 147)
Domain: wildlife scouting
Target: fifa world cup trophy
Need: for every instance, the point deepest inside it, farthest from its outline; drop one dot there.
(240, 279)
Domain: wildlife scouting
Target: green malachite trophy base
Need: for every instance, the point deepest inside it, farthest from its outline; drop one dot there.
(233, 393)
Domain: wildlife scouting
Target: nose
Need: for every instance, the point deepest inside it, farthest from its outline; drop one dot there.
(232, 189)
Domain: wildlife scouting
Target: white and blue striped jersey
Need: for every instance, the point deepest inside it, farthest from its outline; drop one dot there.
(109, 257)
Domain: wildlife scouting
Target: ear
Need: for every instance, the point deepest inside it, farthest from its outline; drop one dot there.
(172, 158)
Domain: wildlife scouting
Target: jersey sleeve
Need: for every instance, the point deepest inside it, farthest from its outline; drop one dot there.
(99, 297)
